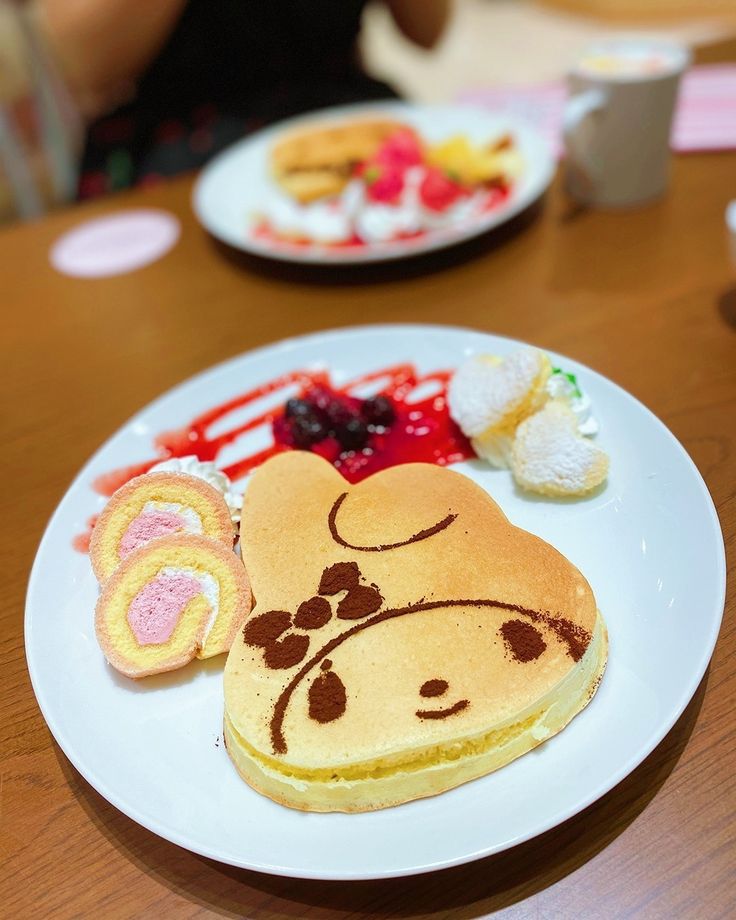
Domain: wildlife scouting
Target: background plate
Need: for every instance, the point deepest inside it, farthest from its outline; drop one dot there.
(236, 184)
(154, 749)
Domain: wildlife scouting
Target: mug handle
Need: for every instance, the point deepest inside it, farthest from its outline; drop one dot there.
(578, 109)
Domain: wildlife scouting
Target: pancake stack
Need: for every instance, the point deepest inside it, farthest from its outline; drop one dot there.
(406, 638)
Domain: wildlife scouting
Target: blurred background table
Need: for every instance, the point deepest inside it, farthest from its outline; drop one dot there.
(647, 298)
(491, 42)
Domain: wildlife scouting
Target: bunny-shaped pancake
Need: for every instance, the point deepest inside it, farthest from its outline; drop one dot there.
(406, 636)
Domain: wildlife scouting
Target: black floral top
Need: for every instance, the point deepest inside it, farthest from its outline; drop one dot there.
(229, 67)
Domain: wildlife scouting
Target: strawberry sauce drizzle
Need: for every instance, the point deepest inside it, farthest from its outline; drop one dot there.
(81, 541)
(422, 430)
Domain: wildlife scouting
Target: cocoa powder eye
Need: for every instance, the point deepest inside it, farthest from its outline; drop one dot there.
(523, 641)
(434, 687)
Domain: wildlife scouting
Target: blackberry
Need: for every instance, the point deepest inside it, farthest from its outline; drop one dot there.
(338, 415)
(378, 410)
(353, 435)
(298, 407)
(307, 430)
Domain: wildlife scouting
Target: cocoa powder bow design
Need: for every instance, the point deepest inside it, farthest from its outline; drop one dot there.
(272, 631)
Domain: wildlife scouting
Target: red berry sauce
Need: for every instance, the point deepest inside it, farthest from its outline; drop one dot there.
(384, 418)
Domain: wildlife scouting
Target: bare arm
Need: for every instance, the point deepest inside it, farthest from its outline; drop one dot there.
(103, 46)
(421, 21)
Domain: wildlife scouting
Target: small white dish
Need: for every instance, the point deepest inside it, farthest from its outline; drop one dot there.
(234, 187)
(649, 542)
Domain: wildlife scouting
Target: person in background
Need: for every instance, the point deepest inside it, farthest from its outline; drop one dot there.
(164, 85)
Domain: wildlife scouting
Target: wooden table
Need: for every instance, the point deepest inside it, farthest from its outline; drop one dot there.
(648, 298)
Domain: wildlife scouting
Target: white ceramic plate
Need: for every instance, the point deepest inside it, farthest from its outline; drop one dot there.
(234, 186)
(649, 543)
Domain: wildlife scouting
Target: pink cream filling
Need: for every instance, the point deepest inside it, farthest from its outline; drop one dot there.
(148, 525)
(155, 610)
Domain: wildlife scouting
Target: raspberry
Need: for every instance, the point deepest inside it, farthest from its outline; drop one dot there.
(437, 191)
(383, 185)
(400, 151)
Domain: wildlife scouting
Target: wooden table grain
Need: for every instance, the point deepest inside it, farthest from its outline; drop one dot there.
(646, 297)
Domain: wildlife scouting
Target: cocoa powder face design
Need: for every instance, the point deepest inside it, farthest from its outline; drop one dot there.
(327, 695)
(556, 624)
(436, 688)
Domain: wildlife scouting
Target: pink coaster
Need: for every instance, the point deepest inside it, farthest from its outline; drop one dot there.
(116, 244)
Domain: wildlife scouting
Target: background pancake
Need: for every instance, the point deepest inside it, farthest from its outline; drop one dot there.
(320, 161)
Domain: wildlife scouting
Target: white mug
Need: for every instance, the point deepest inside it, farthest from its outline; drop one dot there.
(731, 225)
(618, 118)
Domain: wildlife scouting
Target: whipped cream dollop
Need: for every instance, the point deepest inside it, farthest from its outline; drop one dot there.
(564, 386)
(380, 223)
(207, 471)
(208, 586)
(320, 221)
(352, 214)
